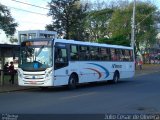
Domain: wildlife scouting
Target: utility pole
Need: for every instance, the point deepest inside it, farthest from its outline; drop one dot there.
(133, 27)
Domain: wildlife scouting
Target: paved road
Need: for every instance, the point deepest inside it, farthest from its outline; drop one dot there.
(140, 94)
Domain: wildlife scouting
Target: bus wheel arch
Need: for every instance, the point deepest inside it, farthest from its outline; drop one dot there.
(73, 80)
(116, 77)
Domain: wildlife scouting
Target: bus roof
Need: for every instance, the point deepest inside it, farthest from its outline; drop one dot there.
(92, 44)
(82, 43)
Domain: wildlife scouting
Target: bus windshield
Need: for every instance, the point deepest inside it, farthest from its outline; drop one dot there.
(36, 55)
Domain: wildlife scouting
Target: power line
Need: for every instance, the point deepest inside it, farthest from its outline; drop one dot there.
(45, 0)
(29, 22)
(30, 4)
(27, 11)
(145, 18)
(32, 23)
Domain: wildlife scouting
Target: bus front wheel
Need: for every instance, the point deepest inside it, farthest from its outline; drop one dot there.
(72, 82)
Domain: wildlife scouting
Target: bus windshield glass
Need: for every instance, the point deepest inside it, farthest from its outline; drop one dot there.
(35, 55)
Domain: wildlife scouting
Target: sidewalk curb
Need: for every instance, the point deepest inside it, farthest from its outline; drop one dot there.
(14, 90)
(145, 73)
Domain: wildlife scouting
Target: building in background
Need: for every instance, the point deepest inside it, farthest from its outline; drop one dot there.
(30, 34)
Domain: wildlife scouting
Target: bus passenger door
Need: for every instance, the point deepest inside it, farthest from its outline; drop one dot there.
(61, 65)
(61, 59)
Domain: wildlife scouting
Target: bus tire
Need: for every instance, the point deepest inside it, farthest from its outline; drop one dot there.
(72, 82)
(115, 77)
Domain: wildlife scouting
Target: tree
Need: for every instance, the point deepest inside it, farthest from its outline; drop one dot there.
(98, 19)
(7, 23)
(145, 28)
(12, 39)
(68, 16)
(97, 23)
(118, 40)
(120, 24)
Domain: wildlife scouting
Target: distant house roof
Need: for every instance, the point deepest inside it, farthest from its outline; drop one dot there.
(9, 50)
(9, 46)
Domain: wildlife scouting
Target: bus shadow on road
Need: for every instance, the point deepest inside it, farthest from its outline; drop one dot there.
(83, 86)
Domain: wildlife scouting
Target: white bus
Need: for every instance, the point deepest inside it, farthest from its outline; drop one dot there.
(53, 62)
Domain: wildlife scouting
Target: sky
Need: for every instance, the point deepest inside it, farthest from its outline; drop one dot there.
(31, 21)
(27, 20)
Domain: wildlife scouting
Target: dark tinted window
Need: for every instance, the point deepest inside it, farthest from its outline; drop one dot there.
(131, 55)
(61, 57)
(127, 55)
(94, 53)
(74, 52)
(113, 54)
(84, 53)
(105, 54)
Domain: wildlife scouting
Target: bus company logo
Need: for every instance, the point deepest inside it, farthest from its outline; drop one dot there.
(97, 71)
(33, 77)
(116, 66)
(35, 66)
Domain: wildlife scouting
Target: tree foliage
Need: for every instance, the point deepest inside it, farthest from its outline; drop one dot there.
(145, 28)
(97, 23)
(68, 16)
(118, 40)
(111, 24)
(7, 23)
(120, 24)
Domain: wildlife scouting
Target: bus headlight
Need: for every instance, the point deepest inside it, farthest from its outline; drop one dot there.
(49, 72)
(20, 74)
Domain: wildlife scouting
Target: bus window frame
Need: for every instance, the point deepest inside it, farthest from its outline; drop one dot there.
(70, 51)
(60, 64)
(85, 53)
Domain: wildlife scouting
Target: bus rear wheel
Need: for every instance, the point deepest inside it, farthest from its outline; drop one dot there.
(72, 82)
(115, 77)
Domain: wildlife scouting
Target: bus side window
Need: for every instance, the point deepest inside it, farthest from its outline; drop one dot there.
(84, 53)
(123, 55)
(94, 53)
(113, 54)
(74, 52)
(105, 54)
(61, 59)
(58, 55)
(131, 55)
(62, 55)
(108, 54)
(127, 56)
(118, 54)
(102, 53)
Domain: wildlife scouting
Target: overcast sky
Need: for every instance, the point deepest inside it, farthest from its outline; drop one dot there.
(31, 21)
